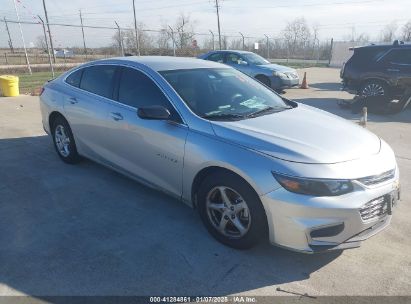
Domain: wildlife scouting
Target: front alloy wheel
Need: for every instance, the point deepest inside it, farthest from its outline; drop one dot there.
(231, 210)
(228, 212)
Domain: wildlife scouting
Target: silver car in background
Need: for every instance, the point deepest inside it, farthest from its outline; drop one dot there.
(275, 76)
(253, 163)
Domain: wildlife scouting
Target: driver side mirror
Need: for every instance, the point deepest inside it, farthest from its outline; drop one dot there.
(154, 112)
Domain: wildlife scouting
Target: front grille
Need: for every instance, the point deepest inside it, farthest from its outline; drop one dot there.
(375, 208)
(377, 179)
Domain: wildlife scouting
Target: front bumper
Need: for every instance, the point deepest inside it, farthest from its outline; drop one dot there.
(315, 224)
(281, 83)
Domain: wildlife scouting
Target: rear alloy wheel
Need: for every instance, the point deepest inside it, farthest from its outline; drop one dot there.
(373, 88)
(231, 210)
(64, 141)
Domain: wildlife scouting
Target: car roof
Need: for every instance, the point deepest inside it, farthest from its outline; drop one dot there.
(232, 51)
(383, 46)
(166, 63)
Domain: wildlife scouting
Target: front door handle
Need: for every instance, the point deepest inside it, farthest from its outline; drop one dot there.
(73, 100)
(393, 70)
(116, 116)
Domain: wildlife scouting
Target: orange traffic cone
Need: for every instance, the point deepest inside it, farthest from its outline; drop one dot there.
(304, 84)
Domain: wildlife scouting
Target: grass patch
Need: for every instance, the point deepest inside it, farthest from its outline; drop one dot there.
(302, 65)
(29, 83)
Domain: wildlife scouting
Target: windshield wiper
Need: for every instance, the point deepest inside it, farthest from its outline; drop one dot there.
(267, 110)
(224, 116)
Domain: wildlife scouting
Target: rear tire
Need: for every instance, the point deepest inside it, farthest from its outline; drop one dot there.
(374, 88)
(64, 141)
(236, 218)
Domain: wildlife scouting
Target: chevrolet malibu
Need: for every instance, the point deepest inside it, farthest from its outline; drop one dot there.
(256, 165)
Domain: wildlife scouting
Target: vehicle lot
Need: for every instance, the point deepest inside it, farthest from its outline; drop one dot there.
(86, 230)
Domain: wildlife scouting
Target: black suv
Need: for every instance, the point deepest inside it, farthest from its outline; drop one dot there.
(378, 70)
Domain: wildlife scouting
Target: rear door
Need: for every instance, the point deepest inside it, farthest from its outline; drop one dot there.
(398, 66)
(152, 150)
(86, 108)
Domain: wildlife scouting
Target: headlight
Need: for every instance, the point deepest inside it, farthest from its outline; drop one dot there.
(314, 187)
(279, 74)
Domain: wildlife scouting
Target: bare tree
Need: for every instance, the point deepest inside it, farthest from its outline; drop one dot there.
(296, 34)
(236, 44)
(184, 30)
(40, 43)
(145, 39)
(118, 38)
(363, 38)
(388, 32)
(406, 31)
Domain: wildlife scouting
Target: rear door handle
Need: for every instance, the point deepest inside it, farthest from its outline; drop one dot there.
(116, 116)
(73, 100)
(393, 70)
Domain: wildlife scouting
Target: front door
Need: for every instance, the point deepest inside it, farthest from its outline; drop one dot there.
(239, 63)
(152, 150)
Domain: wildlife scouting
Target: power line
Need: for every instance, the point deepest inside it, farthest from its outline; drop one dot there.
(48, 28)
(217, 7)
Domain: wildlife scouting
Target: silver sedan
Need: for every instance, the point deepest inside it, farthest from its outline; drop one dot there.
(256, 165)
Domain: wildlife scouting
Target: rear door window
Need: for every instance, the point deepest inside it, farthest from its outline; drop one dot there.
(217, 57)
(99, 80)
(74, 78)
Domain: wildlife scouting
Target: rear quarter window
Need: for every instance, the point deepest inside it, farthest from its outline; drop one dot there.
(399, 56)
(365, 56)
(74, 78)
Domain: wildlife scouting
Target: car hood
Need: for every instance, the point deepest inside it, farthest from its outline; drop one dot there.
(302, 134)
(277, 67)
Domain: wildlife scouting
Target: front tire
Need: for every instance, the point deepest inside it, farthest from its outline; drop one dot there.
(64, 141)
(231, 210)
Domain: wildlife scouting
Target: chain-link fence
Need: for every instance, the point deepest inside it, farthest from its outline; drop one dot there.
(74, 44)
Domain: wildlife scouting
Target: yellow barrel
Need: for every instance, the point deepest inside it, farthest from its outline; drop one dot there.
(9, 85)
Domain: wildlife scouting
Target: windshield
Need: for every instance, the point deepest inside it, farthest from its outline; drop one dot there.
(255, 59)
(223, 93)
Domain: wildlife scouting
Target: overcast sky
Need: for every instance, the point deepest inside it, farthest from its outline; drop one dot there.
(334, 18)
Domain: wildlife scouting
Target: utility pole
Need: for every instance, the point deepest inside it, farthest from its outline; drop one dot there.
(120, 39)
(242, 36)
(172, 38)
(136, 30)
(48, 28)
(47, 45)
(22, 37)
(212, 35)
(268, 47)
(217, 6)
(8, 32)
(82, 32)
